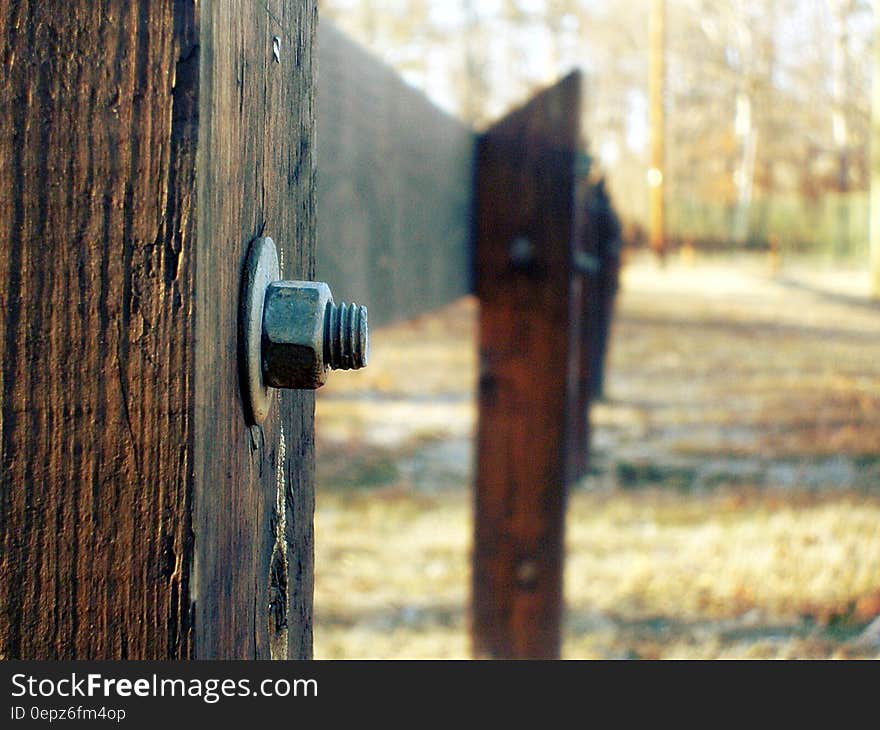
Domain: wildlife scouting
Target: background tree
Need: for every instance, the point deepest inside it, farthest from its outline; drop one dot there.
(767, 101)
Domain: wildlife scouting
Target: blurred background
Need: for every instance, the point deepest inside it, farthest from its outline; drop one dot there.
(732, 508)
(767, 103)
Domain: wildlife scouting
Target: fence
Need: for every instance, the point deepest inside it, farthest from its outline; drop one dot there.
(833, 225)
(142, 514)
(415, 210)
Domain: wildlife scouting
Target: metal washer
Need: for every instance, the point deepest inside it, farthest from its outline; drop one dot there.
(261, 269)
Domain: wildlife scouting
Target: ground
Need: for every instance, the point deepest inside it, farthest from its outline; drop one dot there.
(733, 508)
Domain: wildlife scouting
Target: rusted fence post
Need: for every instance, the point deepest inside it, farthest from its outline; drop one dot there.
(529, 322)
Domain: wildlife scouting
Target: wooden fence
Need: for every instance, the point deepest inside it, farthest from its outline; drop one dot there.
(415, 210)
(145, 146)
(394, 187)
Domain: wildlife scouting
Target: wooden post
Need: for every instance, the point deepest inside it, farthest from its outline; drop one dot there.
(529, 309)
(658, 127)
(608, 246)
(597, 251)
(875, 161)
(144, 145)
(586, 253)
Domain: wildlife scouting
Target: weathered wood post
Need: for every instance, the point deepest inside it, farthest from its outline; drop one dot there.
(605, 234)
(530, 309)
(142, 147)
(585, 264)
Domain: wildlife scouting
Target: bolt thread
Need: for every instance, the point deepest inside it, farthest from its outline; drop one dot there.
(346, 337)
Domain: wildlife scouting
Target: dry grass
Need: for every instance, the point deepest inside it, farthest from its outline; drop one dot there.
(734, 508)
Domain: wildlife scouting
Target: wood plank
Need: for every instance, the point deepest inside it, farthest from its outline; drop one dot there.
(254, 490)
(97, 136)
(608, 246)
(529, 314)
(394, 187)
(141, 516)
(585, 300)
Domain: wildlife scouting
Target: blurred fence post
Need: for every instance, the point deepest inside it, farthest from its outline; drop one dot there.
(605, 239)
(399, 191)
(596, 261)
(529, 329)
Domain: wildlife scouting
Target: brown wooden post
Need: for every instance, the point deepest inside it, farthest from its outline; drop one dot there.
(529, 310)
(142, 146)
(597, 250)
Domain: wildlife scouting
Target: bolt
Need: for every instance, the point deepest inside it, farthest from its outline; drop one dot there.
(527, 573)
(522, 252)
(346, 344)
(582, 164)
(305, 334)
(586, 263)
(292, 334)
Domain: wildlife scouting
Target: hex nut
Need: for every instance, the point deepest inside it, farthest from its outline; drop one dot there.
(293, 334)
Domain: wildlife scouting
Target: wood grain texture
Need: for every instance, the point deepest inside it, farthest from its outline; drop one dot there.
(528, 370)
(395, 176)
(97, 142)
(141, 516)
(254, 491)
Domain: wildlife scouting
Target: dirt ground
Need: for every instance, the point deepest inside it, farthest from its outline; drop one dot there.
(733, 509)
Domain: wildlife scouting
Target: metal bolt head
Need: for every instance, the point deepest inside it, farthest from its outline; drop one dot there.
(305, 334)
(293, 334)
(522, 252)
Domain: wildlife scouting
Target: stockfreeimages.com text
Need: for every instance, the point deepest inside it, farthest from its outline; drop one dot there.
(210, 690)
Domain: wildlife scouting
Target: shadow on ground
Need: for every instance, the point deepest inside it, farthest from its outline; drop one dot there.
(732, 509)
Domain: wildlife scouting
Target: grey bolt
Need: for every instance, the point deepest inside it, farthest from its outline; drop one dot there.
(522, 252)
(586, 263)
(527, 573)
(305, 334)
(346, 342)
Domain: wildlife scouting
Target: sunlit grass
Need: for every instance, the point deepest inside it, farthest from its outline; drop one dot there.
(734, 508)
(648, 574)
